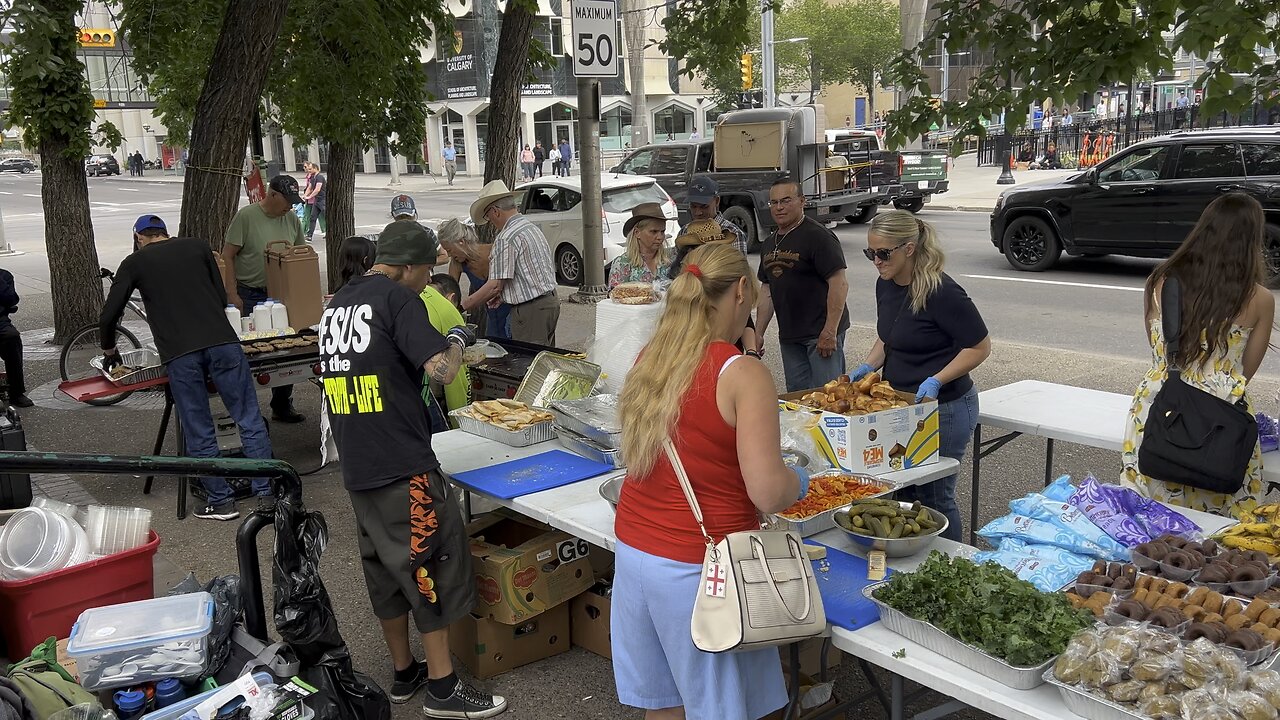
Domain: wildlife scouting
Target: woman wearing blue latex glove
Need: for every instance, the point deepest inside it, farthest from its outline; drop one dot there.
(930, 337)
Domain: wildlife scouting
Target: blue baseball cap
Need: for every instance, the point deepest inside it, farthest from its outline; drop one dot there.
(403, 205)
(702, 190)
(149, 222)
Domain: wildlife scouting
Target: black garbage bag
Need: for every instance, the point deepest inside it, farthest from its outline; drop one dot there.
(228, 607)
(305, 619)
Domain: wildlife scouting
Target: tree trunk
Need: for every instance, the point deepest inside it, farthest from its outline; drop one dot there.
(224, 115)
(633, 26)
(503, 137)
(340, 211)
(68, 237)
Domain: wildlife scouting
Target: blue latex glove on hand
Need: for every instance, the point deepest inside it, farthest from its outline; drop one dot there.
(861, 372)
(804, 480)
(929, 389)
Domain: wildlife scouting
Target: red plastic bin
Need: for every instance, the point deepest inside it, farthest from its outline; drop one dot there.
(47, 605)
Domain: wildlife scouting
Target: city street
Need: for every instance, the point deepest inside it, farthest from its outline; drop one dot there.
(1079, 324)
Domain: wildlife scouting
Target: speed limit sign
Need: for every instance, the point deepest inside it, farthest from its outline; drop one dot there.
(595, 34)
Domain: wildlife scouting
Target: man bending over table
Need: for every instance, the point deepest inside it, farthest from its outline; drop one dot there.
(376, 341)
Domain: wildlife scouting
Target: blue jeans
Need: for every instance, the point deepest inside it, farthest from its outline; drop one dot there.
(499, 323)
(804, 368)
(956, 421)
(229, 369)
(281, 396)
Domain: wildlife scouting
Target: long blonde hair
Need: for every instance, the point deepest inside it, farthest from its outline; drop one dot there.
(650, 403)
(633, 243)
(464, 237)
(900, 226)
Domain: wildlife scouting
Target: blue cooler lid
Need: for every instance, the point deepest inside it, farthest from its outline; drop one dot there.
(141, 624)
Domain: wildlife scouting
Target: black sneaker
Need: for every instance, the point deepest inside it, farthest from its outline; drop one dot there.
(402, 691)
(21, 400)
(465, 702)
(287, 415)
(225, 511)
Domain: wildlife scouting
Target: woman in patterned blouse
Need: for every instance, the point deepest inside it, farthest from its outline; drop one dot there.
(646, 257)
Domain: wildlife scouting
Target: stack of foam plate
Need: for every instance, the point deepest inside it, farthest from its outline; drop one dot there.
(36, 541)
(116, 529)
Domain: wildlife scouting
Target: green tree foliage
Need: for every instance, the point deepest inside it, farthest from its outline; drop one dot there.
(849, 42)
(709, 37)
(51, 101)
(1059, 49)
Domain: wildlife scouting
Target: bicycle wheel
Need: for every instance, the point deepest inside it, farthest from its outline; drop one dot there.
(84, 345)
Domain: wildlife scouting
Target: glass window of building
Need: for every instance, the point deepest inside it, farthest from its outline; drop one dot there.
(615, 128)
(557, 37)
(672, 123)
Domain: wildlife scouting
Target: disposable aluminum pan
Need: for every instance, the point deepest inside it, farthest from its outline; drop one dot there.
(1088, 705)
(553, 376)
(529, 435)
(826, 520)
(589, 449)
(923, 633)
(145, 361)
(595, 418)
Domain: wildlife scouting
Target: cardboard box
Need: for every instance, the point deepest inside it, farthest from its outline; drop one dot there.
(523, 569)
(293, 278)
(589, 620)
(877, 442)
(811, 657)
(489, 648)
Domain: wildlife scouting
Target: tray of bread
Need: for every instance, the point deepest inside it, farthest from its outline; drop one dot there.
(634, 293)
(288, 343)
(845, 397)
(509, 422)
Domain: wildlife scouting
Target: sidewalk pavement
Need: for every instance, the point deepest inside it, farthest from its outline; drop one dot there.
(409, 183)
(974, 188)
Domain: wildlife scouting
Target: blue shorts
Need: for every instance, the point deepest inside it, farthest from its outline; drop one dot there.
(655, 663)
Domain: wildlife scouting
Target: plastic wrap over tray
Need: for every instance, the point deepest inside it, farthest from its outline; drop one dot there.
(553, 376)
(923, 633)
(588, 448)
(595, 418)
(1088, 705)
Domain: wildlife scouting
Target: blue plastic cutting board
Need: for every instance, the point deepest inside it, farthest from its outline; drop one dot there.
(841, 589)
(533, 474)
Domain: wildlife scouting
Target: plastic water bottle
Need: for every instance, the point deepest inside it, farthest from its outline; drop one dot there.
(261, 317)
(279, 317)
(168, 692)
(130, 704)
(233, 317)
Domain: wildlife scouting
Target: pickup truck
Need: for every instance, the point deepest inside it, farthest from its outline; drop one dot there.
(752, 149)
(923, 172)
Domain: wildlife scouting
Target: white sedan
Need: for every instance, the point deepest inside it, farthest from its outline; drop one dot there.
(554, 204)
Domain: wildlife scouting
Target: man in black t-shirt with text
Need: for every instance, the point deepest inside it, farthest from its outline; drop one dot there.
(803, 283)
(376, 342)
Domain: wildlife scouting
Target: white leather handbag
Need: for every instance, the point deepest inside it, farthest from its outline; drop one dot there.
(758, 588)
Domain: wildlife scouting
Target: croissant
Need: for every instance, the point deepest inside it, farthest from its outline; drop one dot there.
(864, 385)
(883, 390)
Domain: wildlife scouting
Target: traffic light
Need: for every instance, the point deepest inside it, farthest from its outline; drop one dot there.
(97, 37)
(746, 71)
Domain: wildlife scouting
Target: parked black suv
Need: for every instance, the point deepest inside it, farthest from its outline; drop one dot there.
(101, 165)
(1143, 201)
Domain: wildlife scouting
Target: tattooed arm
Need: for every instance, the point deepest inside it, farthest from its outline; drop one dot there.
(443, 367)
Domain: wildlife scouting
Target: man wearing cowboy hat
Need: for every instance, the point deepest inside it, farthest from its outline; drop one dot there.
(376, 343)
(521, 271)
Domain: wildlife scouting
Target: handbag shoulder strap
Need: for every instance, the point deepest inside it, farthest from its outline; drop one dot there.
(692, 499)
(1171, 320)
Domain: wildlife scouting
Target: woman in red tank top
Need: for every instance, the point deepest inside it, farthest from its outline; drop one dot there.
(720, 409)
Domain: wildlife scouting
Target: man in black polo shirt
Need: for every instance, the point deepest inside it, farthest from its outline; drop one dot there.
(803, 283)
(183, 291)
(376, 341)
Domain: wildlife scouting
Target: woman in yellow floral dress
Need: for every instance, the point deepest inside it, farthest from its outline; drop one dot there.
(1226, 327)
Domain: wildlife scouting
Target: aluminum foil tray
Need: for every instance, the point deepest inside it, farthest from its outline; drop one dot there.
(923, 633)
(588, 448)
(1088, 705)
(553, 376)
(532, 434)
(595, 418)
(145, 360)
(826, 520)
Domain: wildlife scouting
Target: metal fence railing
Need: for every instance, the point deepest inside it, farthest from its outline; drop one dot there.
(1085, 143)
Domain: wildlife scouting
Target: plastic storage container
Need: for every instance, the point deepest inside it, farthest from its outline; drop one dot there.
(178, 709)
(36, 541)
(48, 605)
(116, 529)
(140, 642)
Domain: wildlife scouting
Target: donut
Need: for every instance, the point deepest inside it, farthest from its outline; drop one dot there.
(1216, 573)
(1232, 607)
(1238, 622)
(1272, 636)
(1085, 578)
(1143, 582)
(1245, 640)
(1255, 609)
(1194, 613)
(1172, 541)
(1132, 609)
(1212, 602)
(1181, 560)
(1269, 617)
(1214, 632)
(1122, 583)
(1158, 585)
(1260, 628)
(1099, 567)
(1166, 618)
(1259, 556)
(1129, 571)
(1114, 569)
(1193, 547)
(1209, 547)
(1198, 595)
(1176, 590)
(1247, 573)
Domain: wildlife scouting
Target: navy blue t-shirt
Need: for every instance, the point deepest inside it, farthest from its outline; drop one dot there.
(919, 345)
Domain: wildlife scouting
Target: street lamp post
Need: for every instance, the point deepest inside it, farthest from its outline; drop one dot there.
(1004, 147)
(768, 64)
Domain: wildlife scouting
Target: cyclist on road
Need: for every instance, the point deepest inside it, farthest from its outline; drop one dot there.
(185, 299)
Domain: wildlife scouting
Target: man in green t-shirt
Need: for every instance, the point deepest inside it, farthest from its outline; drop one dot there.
(254, 227)
(441, 299)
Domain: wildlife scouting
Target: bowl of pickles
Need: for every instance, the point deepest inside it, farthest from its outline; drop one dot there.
(899, 529)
